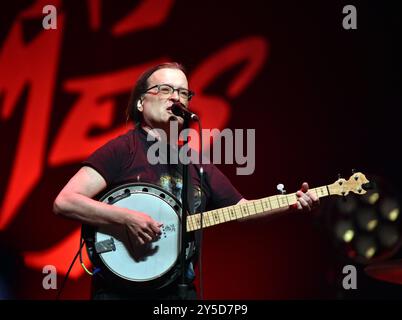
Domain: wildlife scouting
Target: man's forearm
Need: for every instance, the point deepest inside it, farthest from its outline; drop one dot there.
(87, 210)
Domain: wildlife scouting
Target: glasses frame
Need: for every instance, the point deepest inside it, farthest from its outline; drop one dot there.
(190, 93)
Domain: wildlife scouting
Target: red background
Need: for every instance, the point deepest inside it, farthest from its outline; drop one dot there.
(322, 99)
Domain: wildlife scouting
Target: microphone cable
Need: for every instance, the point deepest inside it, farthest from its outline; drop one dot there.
(82, 242)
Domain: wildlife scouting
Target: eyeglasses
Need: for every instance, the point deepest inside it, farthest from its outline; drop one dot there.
(166, 90)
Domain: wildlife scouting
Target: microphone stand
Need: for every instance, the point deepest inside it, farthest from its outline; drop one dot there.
(187, 116)
(183, 286)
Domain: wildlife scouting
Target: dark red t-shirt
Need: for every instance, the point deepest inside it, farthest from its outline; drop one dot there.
(124, 160)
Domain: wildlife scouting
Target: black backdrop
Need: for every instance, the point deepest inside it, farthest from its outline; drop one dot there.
(322, 99)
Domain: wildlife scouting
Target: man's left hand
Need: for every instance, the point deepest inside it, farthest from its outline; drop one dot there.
(306, 200)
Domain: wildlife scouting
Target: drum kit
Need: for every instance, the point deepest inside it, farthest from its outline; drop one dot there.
(390, 271)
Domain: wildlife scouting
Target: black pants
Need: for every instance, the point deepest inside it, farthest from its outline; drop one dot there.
(101, 290)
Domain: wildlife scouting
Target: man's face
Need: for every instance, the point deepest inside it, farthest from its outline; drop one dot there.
(156, 107)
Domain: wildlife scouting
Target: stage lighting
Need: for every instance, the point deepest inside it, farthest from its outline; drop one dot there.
(344, 230)
(390, 209)
(367, 228)
(366, 246)
(367, 218)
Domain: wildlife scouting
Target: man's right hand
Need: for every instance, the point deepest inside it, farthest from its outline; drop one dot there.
(75, 201)
(143, 227)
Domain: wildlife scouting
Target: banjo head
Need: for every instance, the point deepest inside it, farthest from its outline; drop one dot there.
(151, 265)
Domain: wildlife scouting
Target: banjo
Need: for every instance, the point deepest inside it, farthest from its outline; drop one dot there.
(155, 264)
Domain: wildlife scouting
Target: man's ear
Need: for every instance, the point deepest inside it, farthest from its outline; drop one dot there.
(139, 105)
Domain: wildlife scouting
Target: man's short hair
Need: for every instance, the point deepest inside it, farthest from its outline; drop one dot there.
(141, 86)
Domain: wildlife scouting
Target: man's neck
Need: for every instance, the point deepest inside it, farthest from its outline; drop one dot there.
(160, 137)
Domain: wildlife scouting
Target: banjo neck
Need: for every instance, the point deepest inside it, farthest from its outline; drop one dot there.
(264, 206)
(357, 183)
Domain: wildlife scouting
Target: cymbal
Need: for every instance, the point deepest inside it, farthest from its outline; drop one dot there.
(390, 271)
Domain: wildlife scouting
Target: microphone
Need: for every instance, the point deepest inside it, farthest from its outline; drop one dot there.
(178, 109)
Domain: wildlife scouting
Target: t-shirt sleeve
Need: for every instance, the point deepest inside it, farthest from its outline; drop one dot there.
(111, 158)
(223, 193)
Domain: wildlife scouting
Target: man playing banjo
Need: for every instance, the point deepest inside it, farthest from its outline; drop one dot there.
(123, 160)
